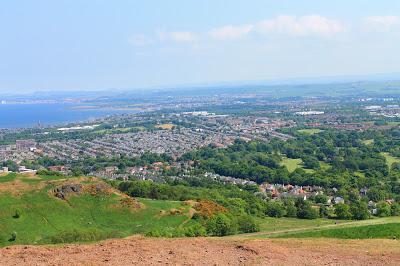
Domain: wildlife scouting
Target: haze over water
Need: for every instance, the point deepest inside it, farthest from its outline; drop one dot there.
(29, 115)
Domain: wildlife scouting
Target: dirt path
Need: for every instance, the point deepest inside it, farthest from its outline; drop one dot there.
(209, 251)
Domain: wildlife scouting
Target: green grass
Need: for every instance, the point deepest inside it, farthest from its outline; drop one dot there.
(291, 164)
(7, 178)
(324, 166)
(46, 219)
(390, 159)
(120, 130)
(310, 131)
(368, 141)
(270, 225)
(390, 230)
(299, 228)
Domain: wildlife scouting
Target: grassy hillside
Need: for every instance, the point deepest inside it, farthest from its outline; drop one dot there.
(31, 213)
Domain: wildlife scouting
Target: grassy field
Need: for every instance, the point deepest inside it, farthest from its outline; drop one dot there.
(390, 230)
(298, 228)
(310, 131)
(120, 130)
(291, 164)
(33, 215)
(368, 141)
(271, 225)
(165, 126)
(390, 159)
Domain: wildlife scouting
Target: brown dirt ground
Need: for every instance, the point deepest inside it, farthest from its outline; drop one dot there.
(138, 250)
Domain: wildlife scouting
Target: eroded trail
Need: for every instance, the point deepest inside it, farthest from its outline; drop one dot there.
(209, 251)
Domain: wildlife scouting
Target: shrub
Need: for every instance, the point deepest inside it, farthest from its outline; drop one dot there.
(342, 211)
(359, 210)
(189, 231)
(383, 209)
(275, 209)
(79, 236)
(13, 237)
(305, 210)
(247, 224)
(221, 225)
(395, 209)
(17, 214)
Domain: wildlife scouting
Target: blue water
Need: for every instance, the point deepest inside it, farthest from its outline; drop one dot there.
(29, 115)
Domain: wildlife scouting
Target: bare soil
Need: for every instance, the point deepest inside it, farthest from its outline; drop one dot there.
(139, 250)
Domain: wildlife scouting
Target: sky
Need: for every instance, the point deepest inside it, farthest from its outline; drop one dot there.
(127, 44)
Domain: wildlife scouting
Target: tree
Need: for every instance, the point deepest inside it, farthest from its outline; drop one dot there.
(247, 224)
(359, 210)
(310, 162)
(275, 209)
(395, 209)
(220, 225)
(383, 209)
(342, 211)
(305, 210)
(291, 210)
(323, 211)
(321, 198)
(376, 194)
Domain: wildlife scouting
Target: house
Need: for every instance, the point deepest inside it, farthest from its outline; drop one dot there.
(26, 171)
(338, 200)
(58, 168)
(4, 170)
(110, 169)
(25, 144)
(363, 191)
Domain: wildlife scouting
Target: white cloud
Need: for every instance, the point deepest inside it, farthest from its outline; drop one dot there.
(311, 25)
(140, 40)
(231, 32)
(178, 36)
(384, 23)
(301, 26)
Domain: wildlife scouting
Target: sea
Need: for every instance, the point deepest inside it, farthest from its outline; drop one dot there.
(32, 115)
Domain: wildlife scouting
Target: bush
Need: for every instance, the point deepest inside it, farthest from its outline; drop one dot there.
(247, 224)
(190, 231)
(221, 225)
(17, 214)
(359, 210)
(383, 209)
(79, 236)
(13, 237)
(275, 209)
(305, 210)
(342, 211)
(395, 209)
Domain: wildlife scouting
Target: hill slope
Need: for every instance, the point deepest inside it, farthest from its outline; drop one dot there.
(47, 210)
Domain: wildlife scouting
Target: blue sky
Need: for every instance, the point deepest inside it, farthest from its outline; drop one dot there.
(94, 45)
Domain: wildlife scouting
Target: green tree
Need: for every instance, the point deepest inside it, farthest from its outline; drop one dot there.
(342, 211)
(247, 224)
(359, 210)
(383, 209)
(275, 209)
(305, 210)
(395, 209)
(220, 225)
(376, 194)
